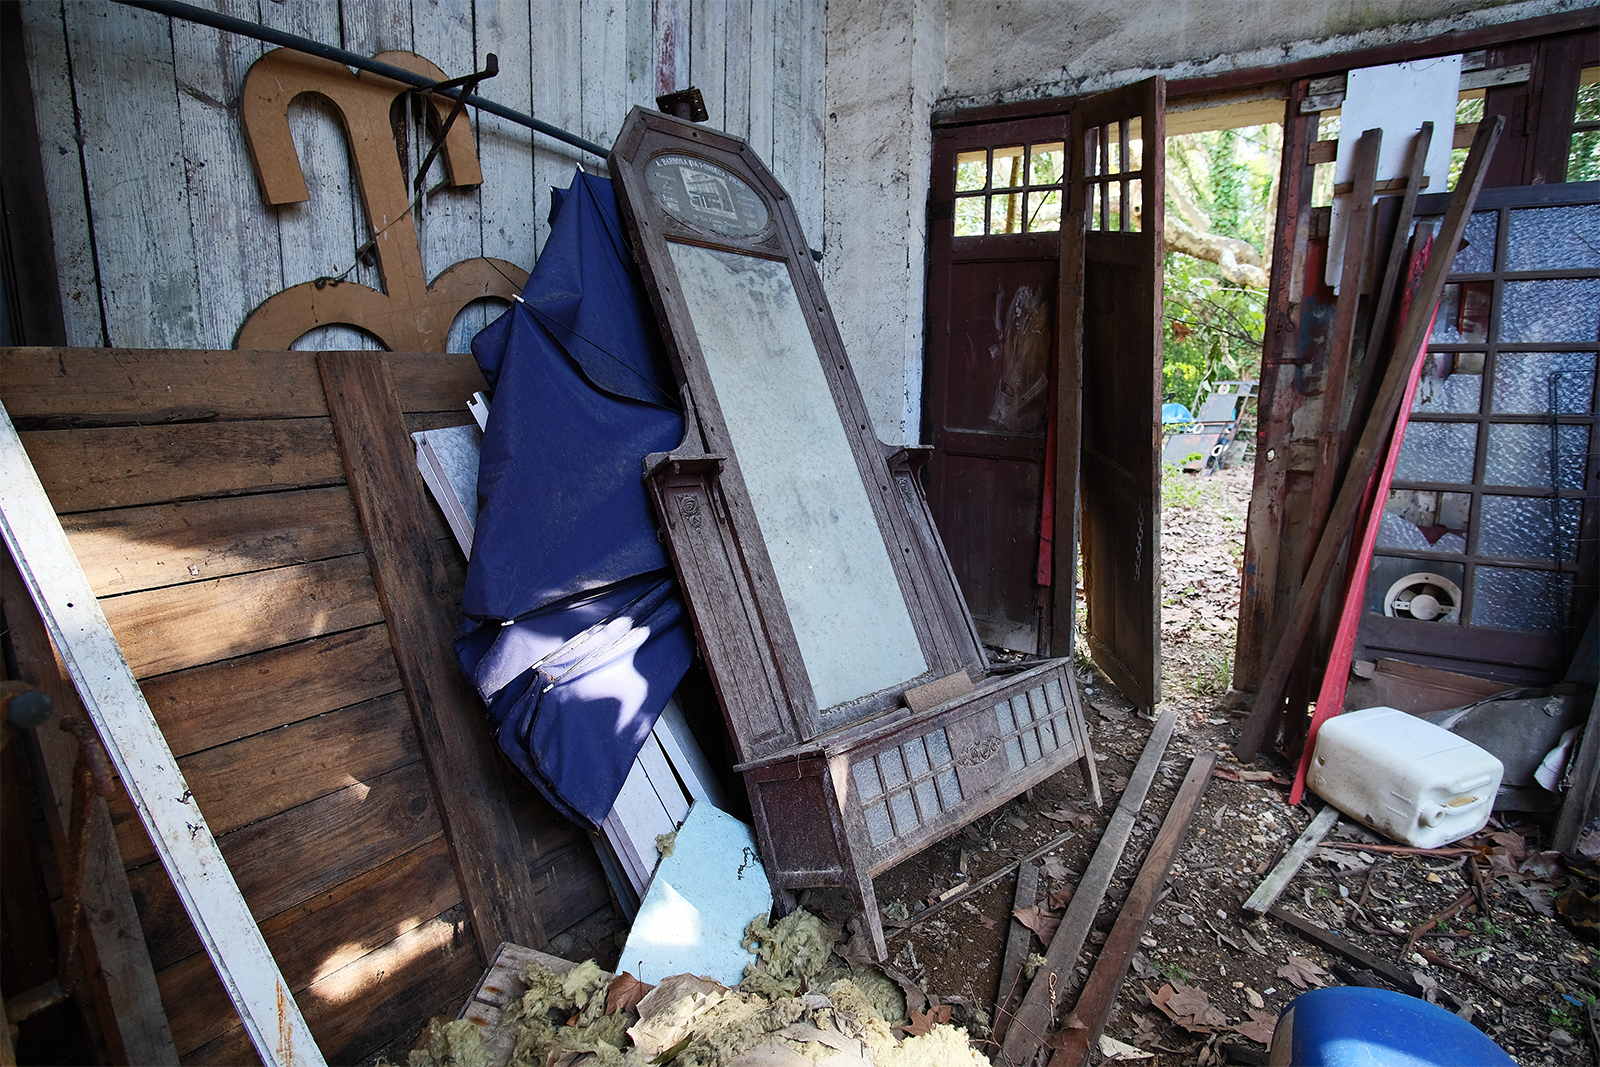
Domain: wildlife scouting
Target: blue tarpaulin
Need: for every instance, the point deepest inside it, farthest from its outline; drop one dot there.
(575, 634)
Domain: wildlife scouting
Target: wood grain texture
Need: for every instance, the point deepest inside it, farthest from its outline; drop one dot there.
(116, 956)
(323, 674)
(1099, 993)
(299, 854)
(258, 777)
(130, 549)
(415, 594)
(61, 387)
(1033, 1017)
(127, 116)
(428, 970)
(168, 629)
(605, 69)
(318, 938)
(45, 41)
(125, 466)
(554, 52)
(434, 381)
(209, 67)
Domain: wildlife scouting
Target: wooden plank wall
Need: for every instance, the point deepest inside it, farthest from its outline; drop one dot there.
(204, 496)
(163, 240)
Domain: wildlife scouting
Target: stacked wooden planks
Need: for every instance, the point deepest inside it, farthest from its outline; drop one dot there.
(284, 593)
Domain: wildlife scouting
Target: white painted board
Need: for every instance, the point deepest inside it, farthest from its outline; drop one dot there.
(1397, 99)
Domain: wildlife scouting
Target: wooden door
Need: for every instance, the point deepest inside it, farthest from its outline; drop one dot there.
(1112, 344)
(992, 292)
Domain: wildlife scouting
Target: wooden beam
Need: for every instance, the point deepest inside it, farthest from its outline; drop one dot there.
(1273, 885)
(1580, 798)
(1099, 994)
(1017, 945)
(1390, 972)
(380, 467)
(131, 1013)
(1034, 1017)
(113, 702)
(1374, 437)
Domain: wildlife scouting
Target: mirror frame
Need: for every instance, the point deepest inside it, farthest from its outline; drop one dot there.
(701, 495)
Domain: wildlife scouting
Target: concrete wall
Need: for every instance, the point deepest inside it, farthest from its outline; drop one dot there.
(889, 64)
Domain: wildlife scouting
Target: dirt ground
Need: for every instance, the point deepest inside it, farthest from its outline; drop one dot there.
(1518, 973)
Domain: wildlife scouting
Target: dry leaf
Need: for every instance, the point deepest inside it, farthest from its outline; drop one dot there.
(1118, 783)
(625, 992)
(1189, 1007)
(923, 1021)
(916, 999)
(986, 922)
(1112, 1049)
(1038, 920)
(1060, 898)
(1055, 870)
(1069, 815)
(1259, 1028)
(1303, 972)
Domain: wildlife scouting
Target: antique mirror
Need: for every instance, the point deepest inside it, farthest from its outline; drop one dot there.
(806, 552)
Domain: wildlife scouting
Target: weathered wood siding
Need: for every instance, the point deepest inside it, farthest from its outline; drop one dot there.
(162, 237)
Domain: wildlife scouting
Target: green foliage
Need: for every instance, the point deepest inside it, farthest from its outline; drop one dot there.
(1212, 332)
(1583, 160)
(1213, 328)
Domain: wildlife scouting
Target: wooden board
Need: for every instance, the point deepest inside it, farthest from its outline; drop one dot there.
(131, 549)
(409, 574)
(182, 626)
(332, 839)
(319, 937)
(1118, 361)
(501, 986)
(133, 1020)
(323, 673)
(135, 748)
(259, 776)
(125, 466)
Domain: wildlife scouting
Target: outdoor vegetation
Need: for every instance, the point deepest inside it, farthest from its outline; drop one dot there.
(1221, 202)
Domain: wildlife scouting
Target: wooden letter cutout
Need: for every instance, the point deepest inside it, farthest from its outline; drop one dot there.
(409, 315)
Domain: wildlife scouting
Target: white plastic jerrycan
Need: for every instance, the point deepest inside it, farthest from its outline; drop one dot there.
(1404, 777)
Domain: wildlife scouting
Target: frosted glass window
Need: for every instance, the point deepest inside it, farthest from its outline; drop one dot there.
(866, 775)
(1554, 238)
(1526, 383)
(1520, 456)
(1516, 599)
(1521, 527)
(844, 600)
(1437, 452)
(1451, 383)
(1478, 256)
(916, 757)
(904, 811)
(878, 828)
(1562, 310)
(894, 772)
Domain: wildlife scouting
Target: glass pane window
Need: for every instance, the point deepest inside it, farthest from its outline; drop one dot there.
(1520, 455)
(1534, 383)
(1554, 238)
(1135, 219)
(1463, 316)
(1518, 599)
(969, 216)
(1044, 210)
(1478, 255)
(1525, 527)
(1561, 310)
(1437, 452)
(1009, 172)
(1047, 163)
(1423, 520)
(972, 171)
(1005, 213)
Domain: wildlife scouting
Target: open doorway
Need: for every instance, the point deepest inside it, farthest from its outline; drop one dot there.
(1223, 162)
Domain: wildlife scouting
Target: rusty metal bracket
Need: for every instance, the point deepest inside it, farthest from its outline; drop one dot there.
(469, 85)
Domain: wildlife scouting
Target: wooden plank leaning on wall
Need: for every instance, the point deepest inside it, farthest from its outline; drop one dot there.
(204, 493)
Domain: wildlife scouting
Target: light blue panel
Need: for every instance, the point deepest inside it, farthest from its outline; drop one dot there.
(699, 902)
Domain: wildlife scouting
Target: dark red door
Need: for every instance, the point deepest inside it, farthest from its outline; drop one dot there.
(992, 343)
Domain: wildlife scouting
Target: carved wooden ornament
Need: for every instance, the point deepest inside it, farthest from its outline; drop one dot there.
(408, 315)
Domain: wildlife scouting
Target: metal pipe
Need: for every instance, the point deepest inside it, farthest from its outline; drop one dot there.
(229, 24)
